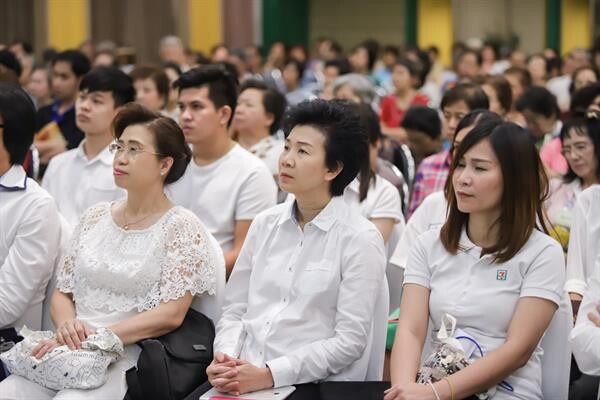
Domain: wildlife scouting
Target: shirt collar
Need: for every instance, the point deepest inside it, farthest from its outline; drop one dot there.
(104, 156)
(557, 128)
(14, 179)
(465, 244)
(324, 220)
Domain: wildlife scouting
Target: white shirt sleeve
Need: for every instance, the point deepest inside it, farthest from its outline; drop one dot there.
(416, 225)
(545, 277)
(30, 260)
(387, 204)
(585, 337)
(577, 268)
(258, 193)
(362, 276)
(417, 268)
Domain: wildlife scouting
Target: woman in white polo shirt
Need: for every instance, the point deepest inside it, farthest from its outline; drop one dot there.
(300, 302)
(491, 266)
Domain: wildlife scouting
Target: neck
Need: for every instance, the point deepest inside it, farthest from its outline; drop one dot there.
(210, 150)
(4, 167)
(150, 200)
(308, 206)
(402, 93)
(482, 228)
(589, 181)
(171, 106)
(292, 86)
(65, 104)
(94, 144)
(247, 139)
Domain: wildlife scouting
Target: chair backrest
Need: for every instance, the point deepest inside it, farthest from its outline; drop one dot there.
(65, 236)
(394, 274)
(556, 361)
(211, 305)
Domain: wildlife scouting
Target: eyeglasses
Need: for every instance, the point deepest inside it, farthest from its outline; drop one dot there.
(578, 148)
(131, 150)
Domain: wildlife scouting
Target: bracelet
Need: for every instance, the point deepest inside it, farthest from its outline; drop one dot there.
(451, 388)
(437, 396)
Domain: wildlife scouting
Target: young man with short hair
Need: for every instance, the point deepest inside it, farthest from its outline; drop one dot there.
(55, 124)
(83, 176)
(225, 185)
(432, 173)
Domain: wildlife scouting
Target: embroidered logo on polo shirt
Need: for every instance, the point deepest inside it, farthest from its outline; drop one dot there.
(501, 274)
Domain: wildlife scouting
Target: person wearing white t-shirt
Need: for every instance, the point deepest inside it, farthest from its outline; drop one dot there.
(29, 221)
(300, 303)
(256, 121)
(225, 185)
(491, 266)
(82, 177)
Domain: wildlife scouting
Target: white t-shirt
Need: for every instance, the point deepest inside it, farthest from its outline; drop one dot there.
(238, 186)
(429, 215)
(382, 201)
(483, 295)
(269, 149)
(583, 259)
(585, 337)
(77, 183)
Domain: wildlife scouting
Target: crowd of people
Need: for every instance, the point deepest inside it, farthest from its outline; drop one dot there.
(328, 189)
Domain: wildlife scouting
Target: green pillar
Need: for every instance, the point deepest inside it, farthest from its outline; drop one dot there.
(285, 20)
(410, 22)
(553, 24)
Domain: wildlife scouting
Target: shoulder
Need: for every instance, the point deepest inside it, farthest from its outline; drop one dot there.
(434, 160)
(435, 199)
(539, 243)
(62, 159)
(589, 197)
(247, 163)
(95, 213)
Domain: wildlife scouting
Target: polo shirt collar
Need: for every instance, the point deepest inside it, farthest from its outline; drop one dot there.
(324, 220)
(466, 245)
(14, 179)
(105, 157)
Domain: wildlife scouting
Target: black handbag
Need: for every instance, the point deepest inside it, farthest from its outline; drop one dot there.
(173, 365)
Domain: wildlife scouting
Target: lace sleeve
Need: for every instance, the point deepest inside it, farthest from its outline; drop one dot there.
(65, 274)
(190, 262)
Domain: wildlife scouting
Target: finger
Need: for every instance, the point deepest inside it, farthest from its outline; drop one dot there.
(229, 374)
(80, 331)
(594, 318)
(43, 350)
(226, 385)
(59, 338)
(221, 369)
(68, 340)
(219, 357)
(74, 337)
(88, 331)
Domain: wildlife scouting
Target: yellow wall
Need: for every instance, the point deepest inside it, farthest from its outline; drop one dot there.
(434, 26)
(68, 23)
(205, 24)
(575, 24)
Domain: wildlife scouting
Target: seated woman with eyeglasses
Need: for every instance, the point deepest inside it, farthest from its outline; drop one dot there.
(491, 266)
(133, 266)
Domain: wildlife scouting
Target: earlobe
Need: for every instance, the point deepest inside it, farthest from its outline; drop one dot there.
(225, 114)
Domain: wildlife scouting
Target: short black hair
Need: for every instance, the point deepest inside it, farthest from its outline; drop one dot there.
(370, 121)
(415, 69)
(463, 53)
(158, 76)
(341, 64)
(540, 101)
(222, 84)
(346, 142)
(300, 66)
(109, 79)
(8, 59)
(583, 98)
(423, 119)
(168, 136)
(503, 90)
(173, 66)
(577, 72)
(18, 116)
(273, 101)
(470, 93)
(584, 126)
(477, 116)
(80, 65)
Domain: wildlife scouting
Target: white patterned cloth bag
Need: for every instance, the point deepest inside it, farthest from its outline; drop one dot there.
(63, 368)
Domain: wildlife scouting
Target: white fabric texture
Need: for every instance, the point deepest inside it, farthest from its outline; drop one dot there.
(268, 150)
(77, 183)
(585, 337)
(483, 294)
(29, 244)
(583, 260)
(114, 274)
(236, 187)
(302, 302)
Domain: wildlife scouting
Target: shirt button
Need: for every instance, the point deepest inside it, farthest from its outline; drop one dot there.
(284, 300)
(290, 269)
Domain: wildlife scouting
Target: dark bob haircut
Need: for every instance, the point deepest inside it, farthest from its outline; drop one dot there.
(18, 117)
(540, 101)
(589, 126)
(158, 76)
(80, 65)
(109, 79)
(503, 91)
(473, 96)
(222, 84)
(346, 142)
(423, 119)
(273, 101)
(168, 136)
(525, 189)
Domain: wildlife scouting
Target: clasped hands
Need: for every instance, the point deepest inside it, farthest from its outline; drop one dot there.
(234, 376)
(70, 333)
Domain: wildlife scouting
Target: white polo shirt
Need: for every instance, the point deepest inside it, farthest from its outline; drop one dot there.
(585, 337)
(583, 258)
(382, 201)
(238, 186)
(483, 295)
(77, 183)
(302, 301)
(430, 214)
(29, 244)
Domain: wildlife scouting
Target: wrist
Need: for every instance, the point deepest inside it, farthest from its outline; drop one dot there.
(443, 390)
(267, 378)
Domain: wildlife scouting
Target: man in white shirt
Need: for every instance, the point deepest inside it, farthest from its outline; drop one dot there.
(224, 185)
(29, 221)
(82, 177)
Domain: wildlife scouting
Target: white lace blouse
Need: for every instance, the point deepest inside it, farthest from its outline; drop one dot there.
(114, 274)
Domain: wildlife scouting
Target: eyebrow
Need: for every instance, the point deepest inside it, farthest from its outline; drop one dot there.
(301, 143)
(131, 142)
(481, 160)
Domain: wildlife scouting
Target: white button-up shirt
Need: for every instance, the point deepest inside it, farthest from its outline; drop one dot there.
(29, 241)
(483, 294)
(77, 183)
(585, 337)
(583, 259)
(302, 302)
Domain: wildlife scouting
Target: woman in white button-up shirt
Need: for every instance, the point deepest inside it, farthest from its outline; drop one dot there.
(490, 266)
(300, 303)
